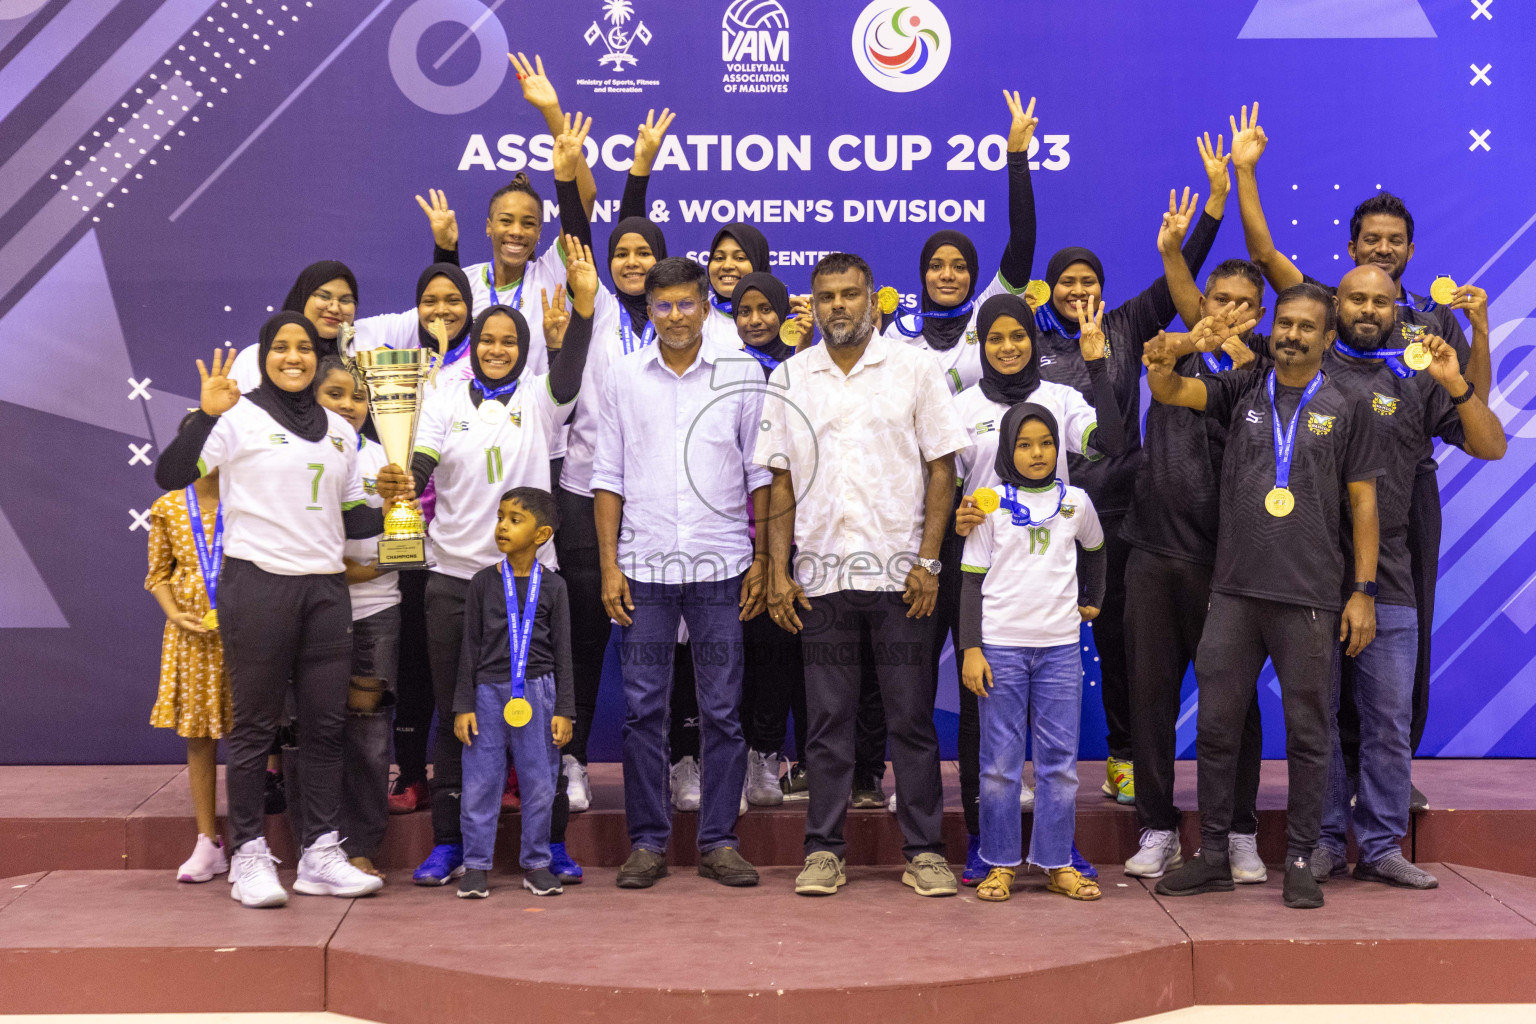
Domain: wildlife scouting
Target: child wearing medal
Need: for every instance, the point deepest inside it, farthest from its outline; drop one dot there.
(515, 694)
(186, 552)
(1024, 593)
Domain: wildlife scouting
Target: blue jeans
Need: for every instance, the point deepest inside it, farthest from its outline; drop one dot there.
(645, 654)
(1035, 691)
(537, 760)
(1383, 676)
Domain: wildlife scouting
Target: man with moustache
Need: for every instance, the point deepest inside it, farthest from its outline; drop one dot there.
(1411, 408)
(1296, 445)
(861, 433)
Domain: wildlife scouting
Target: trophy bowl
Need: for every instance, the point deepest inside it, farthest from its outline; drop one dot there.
(394, 378)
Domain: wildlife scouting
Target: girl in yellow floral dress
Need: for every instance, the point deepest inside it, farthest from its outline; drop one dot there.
(194, 689)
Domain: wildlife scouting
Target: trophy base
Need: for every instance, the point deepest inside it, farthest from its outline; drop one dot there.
(403, 552)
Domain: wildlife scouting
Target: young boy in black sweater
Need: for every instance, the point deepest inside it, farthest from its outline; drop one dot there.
(515, 692)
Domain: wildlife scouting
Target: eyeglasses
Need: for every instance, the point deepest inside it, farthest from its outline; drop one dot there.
(325, 298)
(687, 307)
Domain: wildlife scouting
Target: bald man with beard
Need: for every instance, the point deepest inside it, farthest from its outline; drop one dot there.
(1410, 410)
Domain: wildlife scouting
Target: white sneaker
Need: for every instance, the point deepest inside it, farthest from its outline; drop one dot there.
(578, 790)
(741, 808)
(685, 785)
(325, 871)
(1243, 855)
(1159, 853)
(252, 877)
(206, 861)
(890, 804)
(1026, 798)
(763, 779)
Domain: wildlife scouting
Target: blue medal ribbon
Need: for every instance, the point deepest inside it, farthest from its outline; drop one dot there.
(1218, 362)
(725, 307)
(1047, 320)
(209, 561)
(520, 632)
(1393, 357)
(1020, 513)
(917, 316)
(517, 296)
(1285, 443)
(763, 357)
(627, 332)
(491, 394)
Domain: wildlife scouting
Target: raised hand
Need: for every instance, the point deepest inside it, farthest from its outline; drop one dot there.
(1090, 322)
(1443, 365)
(1176, 221)
(445, 224)
(1215, 164)
(537, 89)
(648, 138)
(556, 319)
(1474, 302)
(570, 146)
(1241, 354)
(1024, 122)
(1156, 355)
(1248, 139)
(220, 392)
(580, 274)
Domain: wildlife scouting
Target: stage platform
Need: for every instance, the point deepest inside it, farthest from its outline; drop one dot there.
(92, 921)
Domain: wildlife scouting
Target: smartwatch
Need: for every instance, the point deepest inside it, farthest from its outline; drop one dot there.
(1366, 587)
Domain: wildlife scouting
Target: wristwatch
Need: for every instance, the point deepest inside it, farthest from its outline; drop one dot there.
(931, 565)
(1366, 587)
(1466, 396)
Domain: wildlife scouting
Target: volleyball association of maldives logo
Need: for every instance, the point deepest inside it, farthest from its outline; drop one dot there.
(901, 47)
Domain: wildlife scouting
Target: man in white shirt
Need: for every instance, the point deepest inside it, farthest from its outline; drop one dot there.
(673, 467)
(860, 433)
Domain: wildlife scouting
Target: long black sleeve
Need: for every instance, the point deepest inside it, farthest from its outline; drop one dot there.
(1092, 574)
(1019, 256)
(441, 255)
(560, 648)
(969, 629)
(573, 215)
(177, 466)
(567, 365)
(1142, 315)
(422, 466)
(1198, 245)
(469, 650)
(362, 522)
(1109, 436)
(633, 203)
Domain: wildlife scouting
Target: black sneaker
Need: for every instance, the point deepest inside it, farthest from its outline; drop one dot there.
(642, 870)
(474, 884)
(277, 793)
(796, 783)
(727, 867)
(1301, 889)
(540, 882)
(868, 793)
(1395, 870)
(1202, 873)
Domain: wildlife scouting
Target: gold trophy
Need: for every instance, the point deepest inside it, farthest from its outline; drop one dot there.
(394, 378)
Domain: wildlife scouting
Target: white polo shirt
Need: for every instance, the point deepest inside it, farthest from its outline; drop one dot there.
(1076, 421)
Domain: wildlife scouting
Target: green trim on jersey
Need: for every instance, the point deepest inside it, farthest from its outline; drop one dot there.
(202, 467)
(424, 450)
(1082, 445)
(348, 506)
(982, 569)
(550, 388)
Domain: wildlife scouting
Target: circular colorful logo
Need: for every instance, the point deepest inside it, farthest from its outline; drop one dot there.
(901, 47)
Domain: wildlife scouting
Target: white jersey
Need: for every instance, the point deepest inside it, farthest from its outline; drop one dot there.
(377, 594)
(976, 465)
(720, 329)
(961, 362)
(1029, 596)
(477, 462)
(283, 496)
(610, 341)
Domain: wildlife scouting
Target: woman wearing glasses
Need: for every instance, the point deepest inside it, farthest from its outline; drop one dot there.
(326, 293)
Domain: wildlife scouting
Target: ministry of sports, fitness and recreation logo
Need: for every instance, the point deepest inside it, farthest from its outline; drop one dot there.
(901, 47)
(618, 13)
(754, 44)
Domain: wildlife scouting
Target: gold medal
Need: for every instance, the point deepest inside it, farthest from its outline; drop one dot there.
(790, 332)
(986, 500)
(1036, 292)
(1416, 356)
(1443, 290)
(211, 619)
(888, 300)
(1279, 502)
(518, 712)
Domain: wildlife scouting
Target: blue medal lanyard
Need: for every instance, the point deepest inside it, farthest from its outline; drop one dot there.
(209, 561)
(917, 316)
(490, 283)
(520, 633)
(1393, 357)
(627, 332)
(1020, 513)
(769, 363)
(491, 394)
(1218, 362)
(1047, 320)
(1285, 443)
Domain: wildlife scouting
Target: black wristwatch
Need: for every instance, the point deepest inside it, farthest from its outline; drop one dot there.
(1366, 587)
(1466, 396)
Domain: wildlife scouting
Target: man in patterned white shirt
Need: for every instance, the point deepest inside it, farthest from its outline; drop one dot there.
(860, 433)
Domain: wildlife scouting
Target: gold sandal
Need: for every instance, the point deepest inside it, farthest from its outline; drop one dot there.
(997, 886)
(1070, 883)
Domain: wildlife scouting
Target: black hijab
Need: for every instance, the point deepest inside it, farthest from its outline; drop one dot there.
(311, 278)
(460, 281)
(296, 411)
(1008, 388)
(942, 334)
(752, 242)
(477, 394)
(777, 295)
(1063, 259)
(639, 312)
(1008, 439)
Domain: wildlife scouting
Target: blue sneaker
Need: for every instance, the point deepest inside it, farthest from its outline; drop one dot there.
(565, 869)
(1081, 863)
(975, 868)
(443, 865)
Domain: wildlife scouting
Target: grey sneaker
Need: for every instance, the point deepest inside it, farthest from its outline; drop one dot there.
(1158, 855)
(822, 875)
(1243, 854)
(930, 876)
(1326, 864)
(1394, 869)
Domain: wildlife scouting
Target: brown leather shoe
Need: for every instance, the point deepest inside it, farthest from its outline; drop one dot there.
(642, 870)
(727, 867)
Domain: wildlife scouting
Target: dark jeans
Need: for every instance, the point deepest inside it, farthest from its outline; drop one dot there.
(947, 624)
(576, 547)
(772, 676)
(1109, 639)
(445, 639)
(1240, 632)
(1165, 606)
(365, 743)
(1424, 556)
(413, 687)
(276, 629)
(646, 649)
(832, 650)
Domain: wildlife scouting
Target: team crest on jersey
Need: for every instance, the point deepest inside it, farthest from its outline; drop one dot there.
(970, 337)
(1320, 424)
(986, 427)
(1383, 405)
(336, 443)
(1068, 511)
(459, 425)
(517, 417)
(277, 438)
(370, 485)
